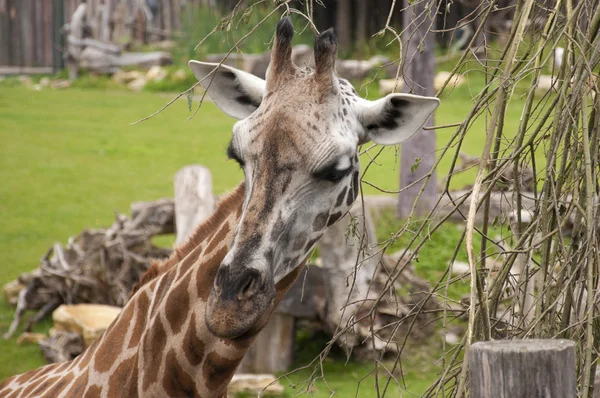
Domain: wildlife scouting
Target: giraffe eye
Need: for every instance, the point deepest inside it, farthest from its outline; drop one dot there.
(232, 153)
(332, 173)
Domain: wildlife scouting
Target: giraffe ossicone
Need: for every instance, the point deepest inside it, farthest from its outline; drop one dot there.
(192, 318)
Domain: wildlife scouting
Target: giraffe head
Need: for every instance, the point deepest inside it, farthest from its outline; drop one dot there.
(297, 140)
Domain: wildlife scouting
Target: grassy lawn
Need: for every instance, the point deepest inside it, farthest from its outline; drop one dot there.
(69, 159)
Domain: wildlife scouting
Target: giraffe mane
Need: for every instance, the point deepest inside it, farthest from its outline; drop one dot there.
(225, 206)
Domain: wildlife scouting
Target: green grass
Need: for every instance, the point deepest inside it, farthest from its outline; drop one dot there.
(70, 158)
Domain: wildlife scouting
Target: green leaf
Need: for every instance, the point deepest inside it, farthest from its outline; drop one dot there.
(415, 165)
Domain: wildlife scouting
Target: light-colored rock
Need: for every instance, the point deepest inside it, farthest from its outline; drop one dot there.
(452, 338)
(30, 338)
(60, 84)
(353, 69)
(11, 291)
(441, 77)
(388, 86)
(546, 83)
(123, 77)
(460, 268)
(45, 82)
(88, 320)
(26, 81)
(157, 73)
(179, 75)
(164, 45)
(137, 84)
(255, 384)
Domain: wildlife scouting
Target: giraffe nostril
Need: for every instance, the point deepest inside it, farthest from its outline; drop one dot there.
(249, 285)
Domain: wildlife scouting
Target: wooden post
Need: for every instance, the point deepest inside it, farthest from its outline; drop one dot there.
(194, 201)
(522, 369)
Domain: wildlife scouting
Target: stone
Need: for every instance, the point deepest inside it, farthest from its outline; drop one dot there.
(45, 82)
(30, 338)
(60, 84)
(11, 291)
(460, 268)
(26, 81)
(165, 45)
(441, 77)
(124, 77)
(388, 86)
(157, 73)
(452, 338)
(545, 84)
(87, 320)
(352, 69)
(254, 384)
(137, 84)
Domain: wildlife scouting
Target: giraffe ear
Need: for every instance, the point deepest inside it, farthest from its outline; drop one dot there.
(237, 93)
(394, 118)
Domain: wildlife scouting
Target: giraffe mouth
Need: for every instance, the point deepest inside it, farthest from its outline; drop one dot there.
(239, 303)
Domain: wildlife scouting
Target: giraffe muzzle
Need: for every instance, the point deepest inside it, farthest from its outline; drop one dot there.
(240, 298)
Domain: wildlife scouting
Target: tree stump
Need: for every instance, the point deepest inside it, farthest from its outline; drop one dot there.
(273, 349)
(522, 369)
(194, 200)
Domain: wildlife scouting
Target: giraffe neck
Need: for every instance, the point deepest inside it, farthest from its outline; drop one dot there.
(160, 345)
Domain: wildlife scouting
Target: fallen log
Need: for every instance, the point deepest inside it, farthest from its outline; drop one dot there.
(97, 266)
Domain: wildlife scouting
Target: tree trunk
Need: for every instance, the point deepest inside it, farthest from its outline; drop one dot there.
(362, 20)
(418, 154)
(522, 368)
(343, 18)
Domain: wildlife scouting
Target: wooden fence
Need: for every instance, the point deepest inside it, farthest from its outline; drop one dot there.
(30, 38)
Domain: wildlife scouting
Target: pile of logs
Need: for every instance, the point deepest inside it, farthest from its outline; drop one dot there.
(97, 266)
(91, 54)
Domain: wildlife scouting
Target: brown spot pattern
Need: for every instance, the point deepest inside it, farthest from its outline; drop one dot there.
(79, 386)
(139, 323)
(113, 340)
(25, 377)
(154, 343)
(122, 380)
(163, 286)
(340, 198)
(218, 238)
(320, 221)
(27, 392)
(44, 386)
(93, 392)
(15, 393)
(207, 273)
(178, 303)
(218, 370)
(310, 244)
(334, 217)
(176, 381)
(193, 347)
(60, 385)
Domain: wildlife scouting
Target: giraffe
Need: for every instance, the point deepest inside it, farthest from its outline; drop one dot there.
(191, 319)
